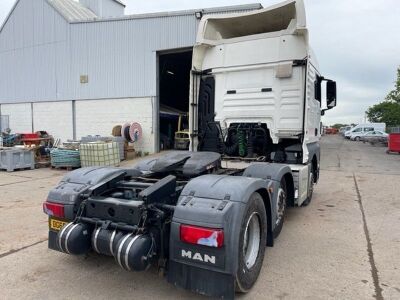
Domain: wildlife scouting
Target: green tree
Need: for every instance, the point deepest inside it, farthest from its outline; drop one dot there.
(387, 111)
(395, 94)
(337, 126)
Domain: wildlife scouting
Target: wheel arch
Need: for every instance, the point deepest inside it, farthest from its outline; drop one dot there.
(268, 209)
(315, 155)
(315, 169)
(289, 188)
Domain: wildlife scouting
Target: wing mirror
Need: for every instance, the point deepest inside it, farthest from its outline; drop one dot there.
(331, 94)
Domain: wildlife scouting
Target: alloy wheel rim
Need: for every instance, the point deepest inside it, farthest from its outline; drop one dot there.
(280, 205)
(252, 239)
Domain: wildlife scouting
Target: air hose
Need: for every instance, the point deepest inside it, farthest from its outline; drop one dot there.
(242, 143)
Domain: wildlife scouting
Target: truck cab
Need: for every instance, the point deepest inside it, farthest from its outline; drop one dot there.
(256, 89)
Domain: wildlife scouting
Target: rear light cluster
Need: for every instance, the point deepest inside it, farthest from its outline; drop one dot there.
(202, 236)
(53, 209)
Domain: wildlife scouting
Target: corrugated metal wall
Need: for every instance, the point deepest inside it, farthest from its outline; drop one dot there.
(33, 53)
(120, 57)
(42, 56)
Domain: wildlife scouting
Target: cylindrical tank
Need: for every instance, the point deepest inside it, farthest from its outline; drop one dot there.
(133, 252)
(105, 241)
(74, 238)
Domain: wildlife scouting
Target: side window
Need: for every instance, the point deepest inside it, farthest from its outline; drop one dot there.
(357, 130)
(367, 129)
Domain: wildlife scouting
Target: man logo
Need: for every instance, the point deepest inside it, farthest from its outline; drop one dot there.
(199, 257)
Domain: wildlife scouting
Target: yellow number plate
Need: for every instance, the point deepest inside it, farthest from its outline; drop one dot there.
(56, 224)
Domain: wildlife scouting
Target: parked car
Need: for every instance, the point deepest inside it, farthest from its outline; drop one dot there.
(357, 135)
(375, 137)
(356, 132)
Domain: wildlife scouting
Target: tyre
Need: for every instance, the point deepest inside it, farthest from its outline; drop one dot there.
(310, 191)
(281, 205)
(252, 243)
(357, 138)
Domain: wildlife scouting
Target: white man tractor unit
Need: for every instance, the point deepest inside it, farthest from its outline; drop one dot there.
(205, 216)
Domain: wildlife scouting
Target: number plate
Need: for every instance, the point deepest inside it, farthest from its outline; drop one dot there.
(56, 225)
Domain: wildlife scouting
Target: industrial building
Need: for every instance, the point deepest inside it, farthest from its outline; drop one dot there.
(79, 68)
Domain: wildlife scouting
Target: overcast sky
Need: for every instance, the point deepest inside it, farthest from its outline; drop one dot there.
(357, 43)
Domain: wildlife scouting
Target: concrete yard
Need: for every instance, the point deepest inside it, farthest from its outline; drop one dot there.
(345, 245)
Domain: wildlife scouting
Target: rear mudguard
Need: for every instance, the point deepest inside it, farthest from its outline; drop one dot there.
(78, 182)
(211, 201)
(216, 201)
(274, 172)
(271, 171)
(69, 192)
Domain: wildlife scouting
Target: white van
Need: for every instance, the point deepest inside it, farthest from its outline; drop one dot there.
(343, 130)
(360, 129)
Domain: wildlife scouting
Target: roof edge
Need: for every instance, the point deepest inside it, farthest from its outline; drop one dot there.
(58, 11)
(145, 15)
(226, 9)
(120, 2)
(65, 16)
(9, 15)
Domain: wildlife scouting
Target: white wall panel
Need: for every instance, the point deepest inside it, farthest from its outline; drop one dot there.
(55, 118)
(20, 116)
(98, 117)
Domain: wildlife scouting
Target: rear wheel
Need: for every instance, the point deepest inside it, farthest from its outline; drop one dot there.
(252, 243)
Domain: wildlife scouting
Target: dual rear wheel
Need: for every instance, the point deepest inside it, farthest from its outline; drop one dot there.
(253, 237)
(254, 230)
(252, 243)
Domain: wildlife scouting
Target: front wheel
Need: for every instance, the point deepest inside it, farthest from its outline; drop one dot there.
(357, 138)
(281, 204)
(252, 244)
(310, 190)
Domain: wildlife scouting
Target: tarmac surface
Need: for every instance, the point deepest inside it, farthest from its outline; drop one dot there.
(345, 245)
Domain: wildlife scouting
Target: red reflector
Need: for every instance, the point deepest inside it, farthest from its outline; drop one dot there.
(53, 209)
(202, 236)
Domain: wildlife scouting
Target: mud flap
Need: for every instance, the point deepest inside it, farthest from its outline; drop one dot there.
(202, 281)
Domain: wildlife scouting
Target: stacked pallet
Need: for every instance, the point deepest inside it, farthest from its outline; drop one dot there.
(97, 138)
(100, 154)
(65, 158)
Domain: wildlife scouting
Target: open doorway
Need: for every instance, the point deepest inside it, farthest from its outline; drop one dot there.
(174, 82)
